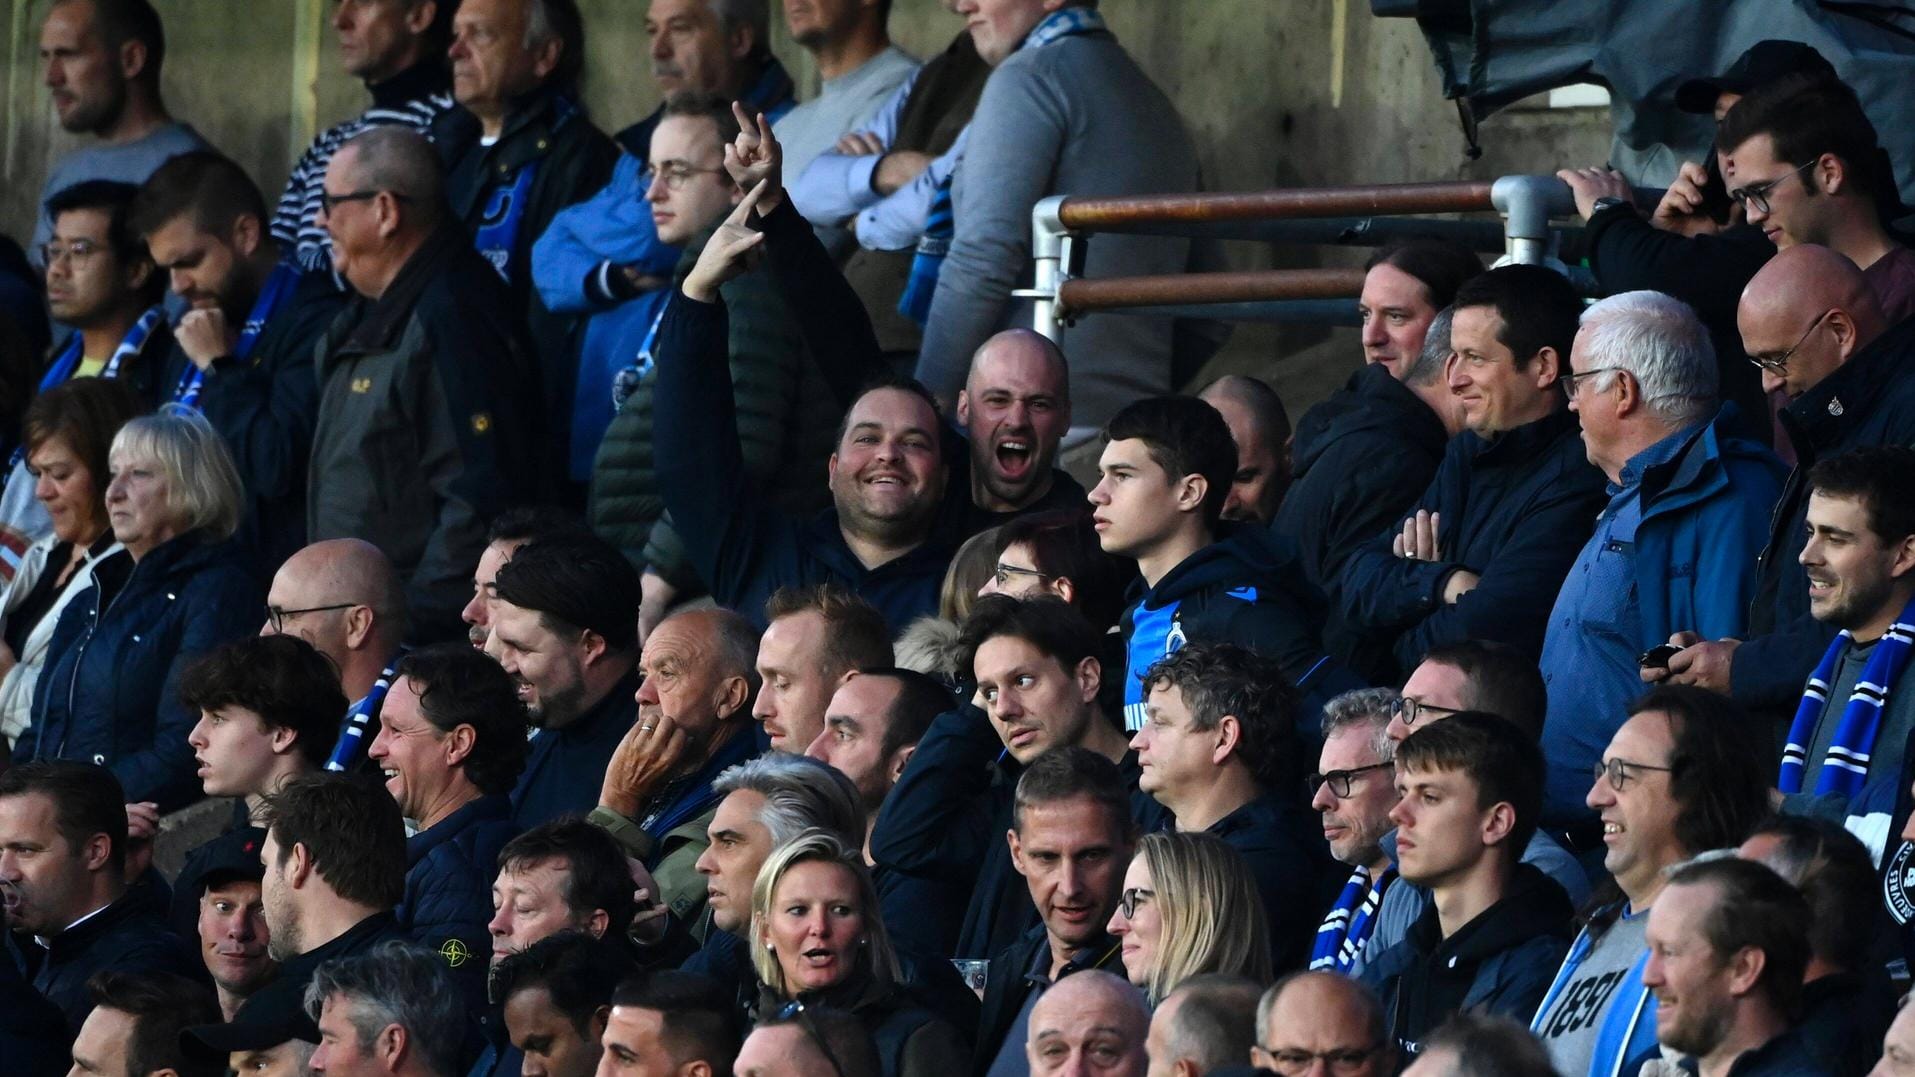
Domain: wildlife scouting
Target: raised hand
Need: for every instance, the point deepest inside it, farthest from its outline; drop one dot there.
(730, 251)
(756, 158)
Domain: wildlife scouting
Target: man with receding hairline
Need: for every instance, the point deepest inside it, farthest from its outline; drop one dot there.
(426, 416)
(1015, 408)
(1261, 428)
(1322, 1015)
(1207, 1023)
(1090, 1012)
(343, 597)
(1813, 324)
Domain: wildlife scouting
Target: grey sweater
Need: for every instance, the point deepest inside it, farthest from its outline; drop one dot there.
(1076, 117)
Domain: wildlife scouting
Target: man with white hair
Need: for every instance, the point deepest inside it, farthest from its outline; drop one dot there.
(1676, 545)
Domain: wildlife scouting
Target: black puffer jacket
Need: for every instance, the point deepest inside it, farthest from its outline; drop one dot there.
(1359, 459)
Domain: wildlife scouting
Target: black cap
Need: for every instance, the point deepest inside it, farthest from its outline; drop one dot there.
(1765, 62)
(264, 1021)
(232, 855)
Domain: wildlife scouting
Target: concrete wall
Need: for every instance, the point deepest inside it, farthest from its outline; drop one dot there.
(1277, 93)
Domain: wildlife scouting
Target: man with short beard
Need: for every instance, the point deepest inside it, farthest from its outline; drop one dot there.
(397, 48)
(563, 627)
(1728, 942)
(1014, 408)
(101, 61)
(335, 865)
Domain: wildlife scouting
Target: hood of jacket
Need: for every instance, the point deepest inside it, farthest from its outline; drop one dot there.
(1372, 400)
(1243, 556)
(1533, 906)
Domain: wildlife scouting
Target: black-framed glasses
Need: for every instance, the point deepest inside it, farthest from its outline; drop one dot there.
(1005, 573)
(329, 202)
(1755, 196)
(76, 253)
(676, 175)
(277, 617)
(1621, 772)
(1412, 709)
(1340, 781)
(796, 1013)
(1574, 380)
(1133, 899)
(1780, 365)
(1346, 1061)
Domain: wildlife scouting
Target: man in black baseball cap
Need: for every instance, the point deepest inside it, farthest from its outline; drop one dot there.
(275, 1044)
(1762, 64)
(218, 895)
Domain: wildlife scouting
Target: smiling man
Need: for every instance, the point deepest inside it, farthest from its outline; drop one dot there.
(562, 627)
(1485, 549)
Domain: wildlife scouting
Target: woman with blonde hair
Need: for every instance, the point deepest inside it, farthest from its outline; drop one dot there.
(1189, 906)
(816, 940)
(110, 691)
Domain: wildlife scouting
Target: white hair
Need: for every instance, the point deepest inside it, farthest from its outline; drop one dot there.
(1660, 342)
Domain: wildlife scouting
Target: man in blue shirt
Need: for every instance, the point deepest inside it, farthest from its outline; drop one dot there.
(1676, 545)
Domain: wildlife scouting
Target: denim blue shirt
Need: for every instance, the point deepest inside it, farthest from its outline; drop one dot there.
(1591, 650)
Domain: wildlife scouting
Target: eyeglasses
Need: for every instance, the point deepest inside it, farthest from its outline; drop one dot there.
(1005, 572)
(1339, 781)
(277, 617)
(676, 175)
(1133, 899)
(794, 1012)
(1621, 772)
(1346, 1061)
(1410, 708)
(1780, 365)
(76, 252)
(1574, 379)
(330, 202)
(1755, 197)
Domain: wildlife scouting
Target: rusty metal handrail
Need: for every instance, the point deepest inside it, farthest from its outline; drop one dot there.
(1061, 225)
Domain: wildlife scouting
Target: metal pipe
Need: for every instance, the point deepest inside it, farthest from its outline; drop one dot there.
(1527, 203)
(1113, 214)
(1047, 251)
(1077, 297)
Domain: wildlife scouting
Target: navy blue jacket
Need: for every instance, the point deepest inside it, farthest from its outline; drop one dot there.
(266, 409)
(33, 1032)
(743, 549)
(943, 826)
(1246, 588)
(129, 935)
(448, 902)
(1868, 401)
(566, 767)
(1360, 458)
(1516, 511)
(1282, 844)
(111, 693)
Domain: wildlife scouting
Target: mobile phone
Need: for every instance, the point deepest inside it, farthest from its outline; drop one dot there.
(1715, 193)
(1658, 657)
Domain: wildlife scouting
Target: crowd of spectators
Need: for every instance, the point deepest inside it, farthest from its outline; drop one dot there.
(617, 662)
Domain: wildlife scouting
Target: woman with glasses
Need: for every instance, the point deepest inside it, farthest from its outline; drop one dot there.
(817, 941)
(68, 429)
(1189, 906)
(109, 692)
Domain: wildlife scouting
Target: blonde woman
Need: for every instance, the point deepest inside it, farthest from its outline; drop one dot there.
(1189, 906)
(110, 692)
(816, 940)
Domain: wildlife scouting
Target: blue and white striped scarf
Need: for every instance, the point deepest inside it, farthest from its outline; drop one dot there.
(1344, 932)
(1845, 768)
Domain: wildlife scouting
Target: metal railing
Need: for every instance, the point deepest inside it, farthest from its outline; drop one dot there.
(1062, 226)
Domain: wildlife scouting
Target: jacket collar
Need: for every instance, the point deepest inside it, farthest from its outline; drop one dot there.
(1840, 402)
(486, 808)
(1527, 443)
(427, 78)
(95, 926)
(379, 328)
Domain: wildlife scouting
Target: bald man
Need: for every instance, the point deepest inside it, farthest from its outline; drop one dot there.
(1261, 428)
(1208, 1023)
(1088, 1011)
(344, 597)
(1810, 320)
(1015, 408)
(1322, 1015)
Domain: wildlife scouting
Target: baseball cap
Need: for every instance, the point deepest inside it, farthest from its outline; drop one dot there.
(1763, 63)
(232, 855)
(263, 1021)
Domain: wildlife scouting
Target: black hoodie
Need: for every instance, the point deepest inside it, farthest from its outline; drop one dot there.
(1245, 588)
(1360, 459)
(1500, 963)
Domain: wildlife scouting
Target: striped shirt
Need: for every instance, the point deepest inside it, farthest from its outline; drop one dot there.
(293, 221)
